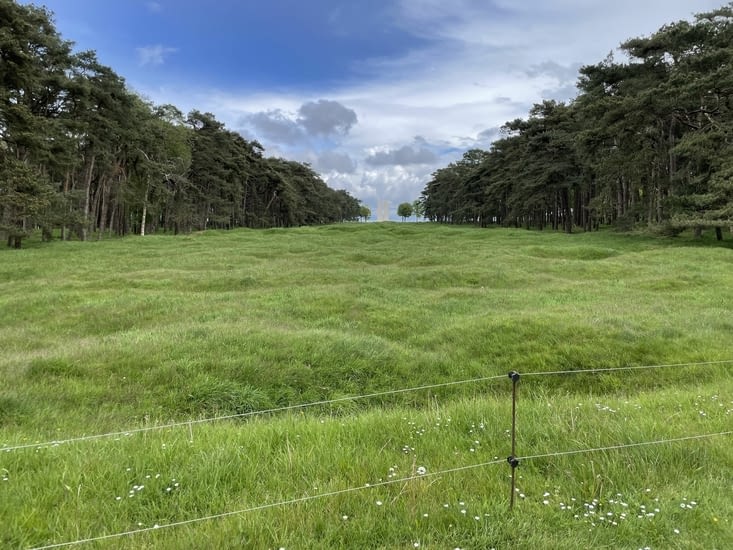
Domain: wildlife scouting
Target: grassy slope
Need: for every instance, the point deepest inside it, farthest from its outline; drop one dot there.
(114, 335)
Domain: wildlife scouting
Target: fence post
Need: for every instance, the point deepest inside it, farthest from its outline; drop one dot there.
(512, 459)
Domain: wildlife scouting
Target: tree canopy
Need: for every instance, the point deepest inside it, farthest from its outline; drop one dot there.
(648, 140)
(80, 154)
(404, 210)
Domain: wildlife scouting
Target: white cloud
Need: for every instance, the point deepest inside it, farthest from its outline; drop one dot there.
(482, 63)
(154, 7)
(154, 55)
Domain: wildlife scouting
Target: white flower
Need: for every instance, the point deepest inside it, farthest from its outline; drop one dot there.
(421, 470)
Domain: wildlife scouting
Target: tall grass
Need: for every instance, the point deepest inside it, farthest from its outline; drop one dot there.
(132, 333)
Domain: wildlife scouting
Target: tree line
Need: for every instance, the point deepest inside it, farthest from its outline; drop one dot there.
(82, 156)
(646, 141)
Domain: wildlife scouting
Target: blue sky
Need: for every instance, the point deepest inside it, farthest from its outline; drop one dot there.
(375, 94)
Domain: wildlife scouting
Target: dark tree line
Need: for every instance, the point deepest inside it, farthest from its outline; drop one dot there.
(82, 156)
(646, 141)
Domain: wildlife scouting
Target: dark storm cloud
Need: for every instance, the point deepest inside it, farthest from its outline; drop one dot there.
(322, 118)
(403, 156)
(275, 126)
(326, 117)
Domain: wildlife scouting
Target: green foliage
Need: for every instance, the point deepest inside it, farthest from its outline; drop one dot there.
(25, 196)
(97, 159)
(404, 210)
(418, 208)
(645, 142)
(365, 212)
(446, 199)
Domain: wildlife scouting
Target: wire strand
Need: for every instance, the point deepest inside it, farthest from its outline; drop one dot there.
(625, 446)
(637, 367)
(192, 422)
(267, 506)
(243, 415)
(369, 486)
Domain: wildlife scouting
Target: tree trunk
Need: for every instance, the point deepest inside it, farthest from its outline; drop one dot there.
(719, 233)
(103, 211)
(112, 218)
(64, 228)
(96, 205)
(659, 203)
(145, 209)
(625, 194)
(672, 158)
(650, 201)
(87, 199)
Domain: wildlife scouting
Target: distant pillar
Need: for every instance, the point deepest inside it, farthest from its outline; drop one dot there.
(383, 211)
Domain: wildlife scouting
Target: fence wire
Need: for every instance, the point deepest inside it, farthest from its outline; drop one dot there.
(367, 486)
(624, 446)
(193, 422)
(629, 368)
(263, 412)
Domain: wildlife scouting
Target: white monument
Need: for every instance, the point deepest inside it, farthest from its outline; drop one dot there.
(383, 211)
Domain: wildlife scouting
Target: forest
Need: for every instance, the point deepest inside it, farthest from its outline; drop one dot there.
(647, 141)
(82, 156)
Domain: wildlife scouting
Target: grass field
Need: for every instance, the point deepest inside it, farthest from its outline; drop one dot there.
(124, 335)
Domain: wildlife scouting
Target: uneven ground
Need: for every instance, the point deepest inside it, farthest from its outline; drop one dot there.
(123, 335)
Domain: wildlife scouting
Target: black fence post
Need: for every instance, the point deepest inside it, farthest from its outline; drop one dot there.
(512, 459)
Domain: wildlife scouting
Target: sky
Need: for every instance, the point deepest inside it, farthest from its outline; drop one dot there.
(375, 94)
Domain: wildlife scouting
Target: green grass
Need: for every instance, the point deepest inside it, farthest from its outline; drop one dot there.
(132, 333)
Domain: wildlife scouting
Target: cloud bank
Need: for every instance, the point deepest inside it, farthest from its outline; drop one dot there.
(467, 67)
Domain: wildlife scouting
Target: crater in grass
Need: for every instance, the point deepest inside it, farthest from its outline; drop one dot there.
(212, 396)
(583, 253)
(677, 283)
(371, 259)
(42, 369)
